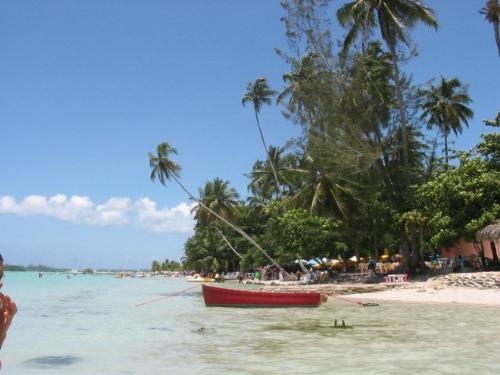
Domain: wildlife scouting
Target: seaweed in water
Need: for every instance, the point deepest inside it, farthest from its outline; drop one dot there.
(52, 361)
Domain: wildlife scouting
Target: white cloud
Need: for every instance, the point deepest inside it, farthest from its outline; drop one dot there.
(115, 211)
(175, 219)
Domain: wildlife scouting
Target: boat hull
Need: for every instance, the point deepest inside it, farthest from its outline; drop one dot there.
(223, 297)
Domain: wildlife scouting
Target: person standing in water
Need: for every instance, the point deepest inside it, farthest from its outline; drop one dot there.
(8, 309)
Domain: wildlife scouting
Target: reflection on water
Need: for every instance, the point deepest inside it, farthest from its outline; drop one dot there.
(104, 333)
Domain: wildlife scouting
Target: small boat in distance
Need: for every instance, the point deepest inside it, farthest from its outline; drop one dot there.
(198, 278)
(216, 296)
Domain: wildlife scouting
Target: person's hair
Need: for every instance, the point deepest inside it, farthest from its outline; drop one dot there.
(1, 258)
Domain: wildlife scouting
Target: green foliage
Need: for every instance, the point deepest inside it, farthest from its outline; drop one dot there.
(295, 233)
(491, 12)
(220, 198)
(12, 267)
(445, 107)
(459, 201)
(489, 148)
(393, 17)
(167, 265)
(345, 185)
(162, 168)
(262, 184)
(258, 93)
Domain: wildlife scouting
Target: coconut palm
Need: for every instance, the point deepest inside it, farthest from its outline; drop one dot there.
(491, 12)
(220, 198)
(393, 18)
(445, 107)
(262, 178)
(495, 122)
(164, 170)
(260, 93)
(298, 83)
(323, 191)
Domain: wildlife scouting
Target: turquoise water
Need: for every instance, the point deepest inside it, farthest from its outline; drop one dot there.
(90, 325)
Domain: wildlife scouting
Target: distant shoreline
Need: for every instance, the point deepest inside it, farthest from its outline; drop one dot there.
(33, 268)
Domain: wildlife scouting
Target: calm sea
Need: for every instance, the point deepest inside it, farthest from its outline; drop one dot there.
(90, 325)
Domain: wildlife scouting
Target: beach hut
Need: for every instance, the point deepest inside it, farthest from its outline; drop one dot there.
(491, 234)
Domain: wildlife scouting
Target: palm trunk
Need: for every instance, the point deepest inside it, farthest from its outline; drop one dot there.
(278, 188)
(496, 28)
(227, 222)
(446, 148)
(494, 252)
(408, 244)
(402, 114)
(421, 248)
(228, 243)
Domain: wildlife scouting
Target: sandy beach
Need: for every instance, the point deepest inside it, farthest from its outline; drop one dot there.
(460, 295)
(477, 288)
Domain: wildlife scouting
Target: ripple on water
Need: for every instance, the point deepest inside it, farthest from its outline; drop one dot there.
(52, 361)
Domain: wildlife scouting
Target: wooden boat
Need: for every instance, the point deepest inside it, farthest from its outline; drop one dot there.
(216, 296)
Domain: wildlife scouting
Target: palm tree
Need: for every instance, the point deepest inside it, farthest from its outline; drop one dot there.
(445, 107)
(491, 12)
(262, 178)
(323, 191)
(495, 122)
(299, 83)
(164, 169)
(222, 199)
(260, 93)
(393, 18)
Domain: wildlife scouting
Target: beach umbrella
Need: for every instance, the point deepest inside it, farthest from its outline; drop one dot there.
(300, 261)
(313, 262)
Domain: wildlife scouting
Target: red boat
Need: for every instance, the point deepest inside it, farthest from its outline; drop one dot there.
(216, 296)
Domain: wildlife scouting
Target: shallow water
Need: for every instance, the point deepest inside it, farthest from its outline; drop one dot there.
(90, 325)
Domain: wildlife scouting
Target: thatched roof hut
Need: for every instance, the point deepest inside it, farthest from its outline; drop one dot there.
(490, 232)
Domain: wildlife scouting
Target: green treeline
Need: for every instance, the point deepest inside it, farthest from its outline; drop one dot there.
(372, 170)
(167, 265)
(32, 268)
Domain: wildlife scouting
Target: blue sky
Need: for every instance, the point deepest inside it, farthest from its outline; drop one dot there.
(87, 88)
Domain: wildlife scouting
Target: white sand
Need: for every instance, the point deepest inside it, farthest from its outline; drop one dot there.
(430, 295)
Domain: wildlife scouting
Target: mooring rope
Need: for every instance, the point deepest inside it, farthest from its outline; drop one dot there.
(348, 300)
(165, 297)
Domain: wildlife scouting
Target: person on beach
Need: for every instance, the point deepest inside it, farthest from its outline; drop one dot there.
(8, 309)
(372, 266)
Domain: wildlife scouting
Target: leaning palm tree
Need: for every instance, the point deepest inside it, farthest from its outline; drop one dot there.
(491, 12)
(164, 170)
(220, 198)
(260, 93)
(393, 18)
(445, 107)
